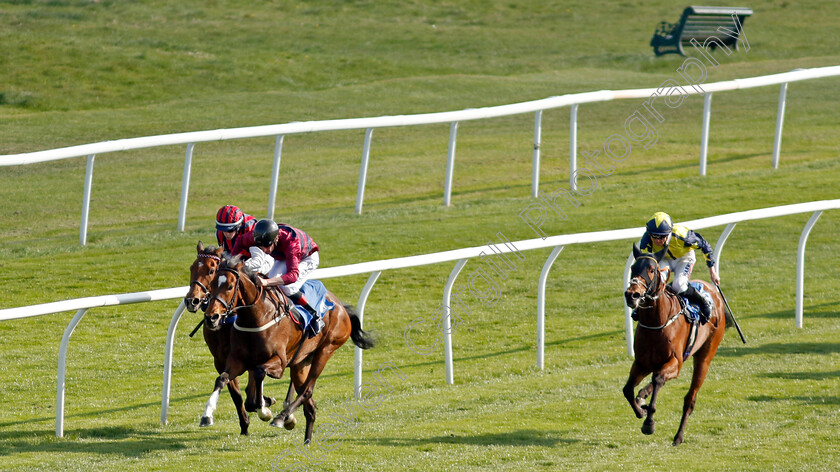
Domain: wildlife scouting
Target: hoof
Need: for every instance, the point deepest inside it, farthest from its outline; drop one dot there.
(290, 423)
(269, 401)
(677, 441)
(264, 414)
(280, 419)
(206, 421)
(648, 427)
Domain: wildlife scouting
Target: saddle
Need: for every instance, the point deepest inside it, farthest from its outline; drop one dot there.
(315, 292)
(284, 306)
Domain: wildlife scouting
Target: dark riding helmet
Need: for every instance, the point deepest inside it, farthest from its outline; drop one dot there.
(228, 218)
(659, 224)
(265, 232)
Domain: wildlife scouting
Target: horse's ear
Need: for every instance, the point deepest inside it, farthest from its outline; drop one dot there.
(636, 251)
(659, 255)
(219, 251)
(199, 247)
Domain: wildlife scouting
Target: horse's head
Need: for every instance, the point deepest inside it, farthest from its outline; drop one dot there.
(225, 292)
(645, 282)
(202, 272)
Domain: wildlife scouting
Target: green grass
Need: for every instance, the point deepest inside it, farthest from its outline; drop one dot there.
(76, 72)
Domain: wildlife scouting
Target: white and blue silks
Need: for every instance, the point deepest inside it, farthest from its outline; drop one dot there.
(316, 294)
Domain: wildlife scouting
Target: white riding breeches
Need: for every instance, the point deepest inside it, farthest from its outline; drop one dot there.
(270, 267)
(681, 269)
(305, 268)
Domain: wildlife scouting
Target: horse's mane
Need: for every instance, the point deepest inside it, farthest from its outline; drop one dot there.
(209, 249)
(230, 262)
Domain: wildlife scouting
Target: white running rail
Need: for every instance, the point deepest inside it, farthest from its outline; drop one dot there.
(452, 117)
(375, 268)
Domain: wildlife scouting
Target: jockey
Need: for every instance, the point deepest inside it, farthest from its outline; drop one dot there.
(232, 224)
(680, 258)
(287, 256)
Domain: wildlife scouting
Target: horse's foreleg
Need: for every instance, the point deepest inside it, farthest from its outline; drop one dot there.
(644, 393)
(636, 376)
(298, 375)
(236, 396)
(670, 371)
(702, 360)
(259, 381)
(212, 403)
(319, 361)
(649, 426)
(309, 414)
(291, 421)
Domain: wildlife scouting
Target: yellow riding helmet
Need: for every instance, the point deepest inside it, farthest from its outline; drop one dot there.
(659, 224)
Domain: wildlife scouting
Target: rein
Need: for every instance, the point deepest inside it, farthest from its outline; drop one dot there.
(229, 311)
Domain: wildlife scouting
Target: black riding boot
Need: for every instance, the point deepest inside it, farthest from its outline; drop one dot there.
(698, 299)
(298, 299)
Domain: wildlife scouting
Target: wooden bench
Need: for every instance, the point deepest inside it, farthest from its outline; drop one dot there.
(700, 24)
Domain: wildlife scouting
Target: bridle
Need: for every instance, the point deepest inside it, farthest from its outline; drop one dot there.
(205, 300)
(651, 287)
(228, 305)
(230, 310)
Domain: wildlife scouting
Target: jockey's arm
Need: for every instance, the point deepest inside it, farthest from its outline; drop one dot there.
(270, 282)
(714, 275)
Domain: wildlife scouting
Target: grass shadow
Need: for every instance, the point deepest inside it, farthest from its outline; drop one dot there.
(824, 400)
(780, 348)
(801, 375)
(91, 414)
(117, 440)
(522, 437)
(695, 163)
(807, 312)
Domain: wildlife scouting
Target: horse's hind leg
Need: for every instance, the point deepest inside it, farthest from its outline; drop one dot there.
(636, 376)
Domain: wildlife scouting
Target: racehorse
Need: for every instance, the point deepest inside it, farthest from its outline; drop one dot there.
(662, 337)
(266, 340)
(202, 273)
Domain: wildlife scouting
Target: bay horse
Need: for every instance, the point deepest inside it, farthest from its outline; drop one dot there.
(662, 336)
(265, 339)
(202, 273)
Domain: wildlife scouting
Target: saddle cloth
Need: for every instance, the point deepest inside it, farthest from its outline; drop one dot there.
(316, 294)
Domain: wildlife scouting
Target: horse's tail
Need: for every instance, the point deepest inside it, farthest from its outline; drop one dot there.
(360, 338)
